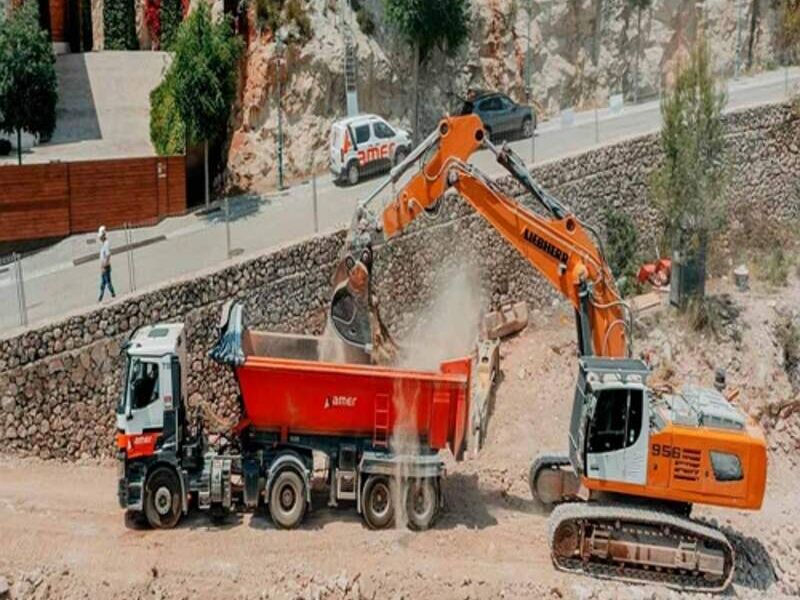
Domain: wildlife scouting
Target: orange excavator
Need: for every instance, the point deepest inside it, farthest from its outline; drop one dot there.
(638, 458)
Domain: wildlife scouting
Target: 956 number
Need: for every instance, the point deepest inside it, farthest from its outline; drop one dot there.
(666, 451)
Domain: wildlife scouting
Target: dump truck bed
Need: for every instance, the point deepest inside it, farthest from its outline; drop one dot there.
(288, 388)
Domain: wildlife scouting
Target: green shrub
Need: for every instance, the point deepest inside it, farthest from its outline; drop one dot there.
(621, 243)
(167, 131)
(119, 25)
(171, 18)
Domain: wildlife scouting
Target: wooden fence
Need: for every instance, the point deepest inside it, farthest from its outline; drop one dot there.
(57, 199)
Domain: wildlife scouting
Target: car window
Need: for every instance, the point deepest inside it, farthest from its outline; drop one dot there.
(362, 133)
(382, 130)
(490, 104)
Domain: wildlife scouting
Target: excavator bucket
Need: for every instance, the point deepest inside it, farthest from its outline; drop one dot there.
(353, 313)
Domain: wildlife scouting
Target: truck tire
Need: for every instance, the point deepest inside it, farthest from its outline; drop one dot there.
(287, 499)
(353, 173)
(422, 503)
(162, 500)
(378, 506)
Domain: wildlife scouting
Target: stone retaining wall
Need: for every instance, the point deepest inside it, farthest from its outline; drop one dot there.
(59, 382)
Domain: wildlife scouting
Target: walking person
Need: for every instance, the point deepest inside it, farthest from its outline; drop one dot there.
(105, 264)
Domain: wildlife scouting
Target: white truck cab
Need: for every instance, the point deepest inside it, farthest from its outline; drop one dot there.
(363, 145)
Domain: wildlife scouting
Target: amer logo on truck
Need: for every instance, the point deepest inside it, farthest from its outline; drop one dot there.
(345, 401)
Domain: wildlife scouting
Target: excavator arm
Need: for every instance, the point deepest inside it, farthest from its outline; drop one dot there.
(555, 242)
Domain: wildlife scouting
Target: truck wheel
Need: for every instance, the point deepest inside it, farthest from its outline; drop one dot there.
(422, 501)
(353, 173)
(287, 500)
(378, 502)
(162, 501)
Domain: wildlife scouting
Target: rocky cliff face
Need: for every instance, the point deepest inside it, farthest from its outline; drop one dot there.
(581, 51)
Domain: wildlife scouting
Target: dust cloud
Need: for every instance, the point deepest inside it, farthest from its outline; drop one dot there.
(450, 325)
(331, 347)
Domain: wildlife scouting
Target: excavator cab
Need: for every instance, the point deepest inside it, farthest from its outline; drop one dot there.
(610, 419)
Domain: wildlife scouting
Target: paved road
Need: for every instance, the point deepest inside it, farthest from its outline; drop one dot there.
(54, 285)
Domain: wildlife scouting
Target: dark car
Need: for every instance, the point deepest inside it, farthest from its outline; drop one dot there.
(501, 116)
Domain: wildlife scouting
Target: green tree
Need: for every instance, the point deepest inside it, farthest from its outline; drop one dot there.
(166, 128)
(640, 6)
(203, 77)
(119, 25)
(28, 83)
(428, 26)
(689, 187)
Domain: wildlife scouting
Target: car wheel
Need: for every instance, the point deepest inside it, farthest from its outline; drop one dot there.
(353, 173)
(527, 127)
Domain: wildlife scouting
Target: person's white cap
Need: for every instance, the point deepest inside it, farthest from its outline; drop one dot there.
(102, 231)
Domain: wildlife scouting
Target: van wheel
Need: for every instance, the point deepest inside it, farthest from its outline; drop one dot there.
(353, 173)
(287, 500)
(527, 127)
(422, 502)
(162, 501)
(378, 502)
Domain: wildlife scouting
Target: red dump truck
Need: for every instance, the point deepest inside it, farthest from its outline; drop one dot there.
(375, 432)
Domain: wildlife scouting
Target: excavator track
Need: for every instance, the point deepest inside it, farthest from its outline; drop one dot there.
(640, 545)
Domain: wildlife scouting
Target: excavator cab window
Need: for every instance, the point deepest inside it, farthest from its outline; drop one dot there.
(617, 420)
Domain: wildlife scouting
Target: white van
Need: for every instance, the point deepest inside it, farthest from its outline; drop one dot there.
(363, 145)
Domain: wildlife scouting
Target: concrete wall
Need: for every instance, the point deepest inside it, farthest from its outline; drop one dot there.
(60, 382)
